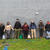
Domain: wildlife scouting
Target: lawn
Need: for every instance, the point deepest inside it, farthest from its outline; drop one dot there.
(26, 44)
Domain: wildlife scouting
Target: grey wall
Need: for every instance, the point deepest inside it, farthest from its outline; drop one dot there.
(25, 10)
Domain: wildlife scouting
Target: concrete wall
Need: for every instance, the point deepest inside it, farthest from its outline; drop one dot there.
(25, 10)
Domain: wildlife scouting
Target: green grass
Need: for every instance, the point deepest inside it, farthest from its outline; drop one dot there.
(27, 44)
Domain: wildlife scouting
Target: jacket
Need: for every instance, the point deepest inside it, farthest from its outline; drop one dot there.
(17, 25)
(32, 26)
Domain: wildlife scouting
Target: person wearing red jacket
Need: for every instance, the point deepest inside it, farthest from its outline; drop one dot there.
(25, 28)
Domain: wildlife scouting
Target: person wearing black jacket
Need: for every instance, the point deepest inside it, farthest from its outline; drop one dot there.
(17, 24)
(1, 30)
(17, 28)
(47, 29)
(47, 26)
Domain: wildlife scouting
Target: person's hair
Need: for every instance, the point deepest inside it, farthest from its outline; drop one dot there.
(8, 23)
(17, 19)
(40, 23)
(25, 23)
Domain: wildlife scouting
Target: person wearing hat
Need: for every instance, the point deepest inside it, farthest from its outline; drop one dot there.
(17, 28)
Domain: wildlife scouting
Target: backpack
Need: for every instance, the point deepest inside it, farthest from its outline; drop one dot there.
(20, 36)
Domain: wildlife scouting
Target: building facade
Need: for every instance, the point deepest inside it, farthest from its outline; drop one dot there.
(25, 10)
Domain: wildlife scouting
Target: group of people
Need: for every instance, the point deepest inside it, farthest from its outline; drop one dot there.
(23, 31)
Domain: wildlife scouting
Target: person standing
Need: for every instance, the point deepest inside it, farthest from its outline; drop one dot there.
(25, 28)
(17, 28)
(8, 29)
(33, 29)
(41, 28)
(1, 30)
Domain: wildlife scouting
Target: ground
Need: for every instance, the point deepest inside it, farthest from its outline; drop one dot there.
(26, 44)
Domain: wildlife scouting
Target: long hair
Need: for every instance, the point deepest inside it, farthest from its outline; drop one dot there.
(41, 23)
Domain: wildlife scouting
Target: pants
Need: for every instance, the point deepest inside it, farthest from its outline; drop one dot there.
(8, 32)
(33, 33)
(25, 34)
(1, 34)
(41, 32)
(12, 34)
(17, 33)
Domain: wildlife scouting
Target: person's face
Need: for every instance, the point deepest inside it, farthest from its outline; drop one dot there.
(40, 20)
(32, 21)
(47, 22)
(25, 25)
(8, 23)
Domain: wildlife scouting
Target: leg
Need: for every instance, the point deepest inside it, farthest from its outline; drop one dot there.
(0, 36)
(41, 33)
(32, 33)
(14, 33)
(17, 35)
(26, 34)
(19, 32)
